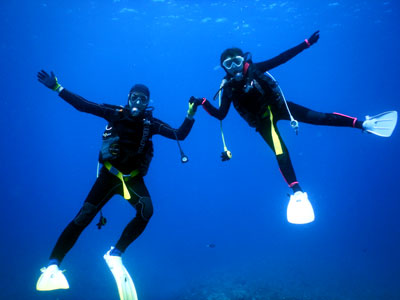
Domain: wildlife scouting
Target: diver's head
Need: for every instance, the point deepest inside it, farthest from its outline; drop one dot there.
(138, 99)
(232, 61)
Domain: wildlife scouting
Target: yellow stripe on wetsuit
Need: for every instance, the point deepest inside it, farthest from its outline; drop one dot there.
(275, 138)
(121, 177)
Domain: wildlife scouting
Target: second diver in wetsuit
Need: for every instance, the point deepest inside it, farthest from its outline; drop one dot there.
(259, 100)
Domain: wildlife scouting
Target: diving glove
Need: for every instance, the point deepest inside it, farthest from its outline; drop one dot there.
(49, 80)
(313, 38)
(193, 104)
(196, 101)
(192, 110)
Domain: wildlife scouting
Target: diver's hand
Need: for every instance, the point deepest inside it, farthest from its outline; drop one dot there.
(192, 110)
(193, 104)
(196, 101)
(313, 38)
(49, 80)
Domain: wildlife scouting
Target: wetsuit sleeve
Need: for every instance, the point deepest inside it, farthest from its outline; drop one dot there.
(86, 106)
(159, 127)
(219, 113)
(281, 58)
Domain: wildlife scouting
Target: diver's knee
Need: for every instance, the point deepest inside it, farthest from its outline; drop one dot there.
(86, 214)
(145, 208)
(284, 157)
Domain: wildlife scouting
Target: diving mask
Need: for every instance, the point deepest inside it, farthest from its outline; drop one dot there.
(234, 66)
(138, 102)
(233, 63)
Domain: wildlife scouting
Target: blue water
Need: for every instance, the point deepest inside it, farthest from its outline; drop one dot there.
(99, 49)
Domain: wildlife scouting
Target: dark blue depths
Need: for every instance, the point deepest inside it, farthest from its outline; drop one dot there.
(219, 229)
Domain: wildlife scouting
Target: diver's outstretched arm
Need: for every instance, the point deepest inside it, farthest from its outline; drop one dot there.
(162, 128)
(287, 55)
(76, 101)
(219, 113)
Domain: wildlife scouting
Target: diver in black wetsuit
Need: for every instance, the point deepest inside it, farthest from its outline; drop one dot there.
(125, 155)
(259, 100)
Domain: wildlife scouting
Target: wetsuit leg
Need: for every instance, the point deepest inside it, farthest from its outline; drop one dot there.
(103, 189)
(301, 114)
(141, 201)
(270, 133)
(306, 115)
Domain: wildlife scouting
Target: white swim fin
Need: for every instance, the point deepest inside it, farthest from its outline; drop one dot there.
(126, 288)
(382, 124)
(299, 210)
(52, 278)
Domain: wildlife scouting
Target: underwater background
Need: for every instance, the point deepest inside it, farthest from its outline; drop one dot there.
(219, 229)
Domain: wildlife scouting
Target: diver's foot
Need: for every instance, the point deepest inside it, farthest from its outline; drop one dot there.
(52, 278)
(299, 210)
(382, 124)
(126, 288)
(113, 261)
(114, 252)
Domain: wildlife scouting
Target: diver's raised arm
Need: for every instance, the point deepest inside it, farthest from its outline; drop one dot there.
(162, 128)
(219, 113)
(76, 101)
(287, 55)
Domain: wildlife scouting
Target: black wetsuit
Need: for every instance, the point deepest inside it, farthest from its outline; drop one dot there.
(259, 101)
(135, 153)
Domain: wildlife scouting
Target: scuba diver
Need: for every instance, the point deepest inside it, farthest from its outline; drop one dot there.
(125, 155)
(257, 97)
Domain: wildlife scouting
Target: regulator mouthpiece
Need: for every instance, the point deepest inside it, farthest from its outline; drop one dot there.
(238, 76)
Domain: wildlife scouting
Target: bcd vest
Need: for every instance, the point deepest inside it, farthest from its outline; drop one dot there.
(111, 146)
(260, 89)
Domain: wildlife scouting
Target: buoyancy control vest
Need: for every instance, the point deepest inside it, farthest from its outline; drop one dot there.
(123, 153)
(254, 94)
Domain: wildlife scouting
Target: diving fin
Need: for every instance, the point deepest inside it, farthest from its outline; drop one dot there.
(126, 288)
(382, 124)
(299, 210)
(52, 278)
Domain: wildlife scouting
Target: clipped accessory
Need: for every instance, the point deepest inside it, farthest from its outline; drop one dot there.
(102, 221)
(226, 154)
(110, 148)
(184, 158)
(293, 123)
